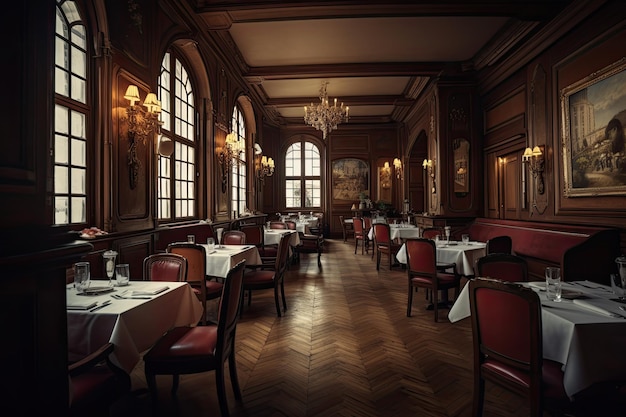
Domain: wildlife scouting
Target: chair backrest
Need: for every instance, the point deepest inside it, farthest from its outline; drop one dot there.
(228, 311)
(291, 225)
(431, 232)
(503, 266)
(234, 237)
(165, 267)
(367, 224)
(277, 225)
(421, 257)
(506, 327)
(357, 223)
(382, 234)
(196, 259)
(499, 244)
(254, 234)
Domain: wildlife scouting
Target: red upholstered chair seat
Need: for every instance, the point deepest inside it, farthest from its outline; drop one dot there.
(259, 277)
(193, 346)
(444, 279)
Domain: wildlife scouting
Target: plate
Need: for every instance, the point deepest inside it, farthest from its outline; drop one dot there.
(97, 290)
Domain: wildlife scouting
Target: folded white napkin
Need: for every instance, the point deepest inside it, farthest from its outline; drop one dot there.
(595, 307)
(155, 291)
(81, 304)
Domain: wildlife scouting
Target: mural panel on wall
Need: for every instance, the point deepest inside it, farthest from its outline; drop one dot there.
(350, 178)
(593, 132)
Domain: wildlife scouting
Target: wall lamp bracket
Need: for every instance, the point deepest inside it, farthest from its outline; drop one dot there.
(429, 167)
(535, 160)
(226, 156)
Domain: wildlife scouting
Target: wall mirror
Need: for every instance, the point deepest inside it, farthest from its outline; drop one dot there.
(384, 182)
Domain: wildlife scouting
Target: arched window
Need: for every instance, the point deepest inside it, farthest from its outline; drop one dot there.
(238, 170)
(176, 182)
(303, 180)
(71, 114)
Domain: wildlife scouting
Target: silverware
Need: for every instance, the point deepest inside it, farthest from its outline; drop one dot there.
(98, 307)
(132, 297)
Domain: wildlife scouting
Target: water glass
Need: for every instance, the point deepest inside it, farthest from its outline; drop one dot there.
(122, 274)
(210, 243)
(553, 283)
(191, 239)
(82, 276)
(465, 239)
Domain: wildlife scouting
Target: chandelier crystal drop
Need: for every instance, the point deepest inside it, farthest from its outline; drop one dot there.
(323, 116)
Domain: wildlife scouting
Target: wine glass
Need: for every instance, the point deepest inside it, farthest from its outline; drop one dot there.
(109, 264)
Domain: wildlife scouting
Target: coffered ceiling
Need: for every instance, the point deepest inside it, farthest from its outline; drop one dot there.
(377, 56)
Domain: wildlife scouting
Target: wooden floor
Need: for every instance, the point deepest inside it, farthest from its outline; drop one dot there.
(344, 348)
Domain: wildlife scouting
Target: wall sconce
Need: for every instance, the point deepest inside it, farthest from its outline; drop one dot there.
(385, 176)
(535, 160)
(429, 167)
(265, 168)
(141, 124)
(225, 155)
(397, 164)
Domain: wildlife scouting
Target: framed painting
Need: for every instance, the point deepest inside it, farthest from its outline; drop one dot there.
(593, 114)
(350, 178)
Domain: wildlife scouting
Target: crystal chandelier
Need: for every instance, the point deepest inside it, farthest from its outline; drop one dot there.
(323, 116)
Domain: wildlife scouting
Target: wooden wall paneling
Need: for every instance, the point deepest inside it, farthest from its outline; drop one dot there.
(132, 164)
(492, 185)
(511, 186)
(132, 251)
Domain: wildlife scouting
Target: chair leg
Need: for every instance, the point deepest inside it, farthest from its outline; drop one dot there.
(175, 382)
(276, 301)
(436, 304)
(410, 301)
(479, 397)
(282, 293)
(221, 389)
(232, 368)
(249, 297)
(356, 244)
(378, 260)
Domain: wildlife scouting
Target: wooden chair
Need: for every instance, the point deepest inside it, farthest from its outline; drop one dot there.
(205, 287)
(96, 383)
(234, 237)
(277, 225)
(190, 350)
(165, 267)
(502, 266)
(508, 346)
(359, 234)
(367, 226)
(499, 244)
(311, 243)
(266, 278)
(255, 235)
(346, 229)
(431, 232)
(384, 244)
(423, 272)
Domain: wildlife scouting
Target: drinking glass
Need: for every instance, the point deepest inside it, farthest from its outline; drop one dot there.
(553, 283)
(191, 239)
(82, 276)
(122, 274)
(219, 232)
(465, 239)
(210, 243)
(109, 264)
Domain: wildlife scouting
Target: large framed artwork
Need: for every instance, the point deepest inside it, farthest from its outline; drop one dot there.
(350, 178)
(593, 114)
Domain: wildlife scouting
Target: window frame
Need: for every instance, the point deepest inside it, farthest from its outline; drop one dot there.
(303, 177)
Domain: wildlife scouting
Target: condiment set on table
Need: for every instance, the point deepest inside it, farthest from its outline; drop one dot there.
(82, 275)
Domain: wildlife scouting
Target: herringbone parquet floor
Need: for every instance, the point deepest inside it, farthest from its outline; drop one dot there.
(344, 348)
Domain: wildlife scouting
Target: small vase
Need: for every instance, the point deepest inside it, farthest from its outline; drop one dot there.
(361, 205)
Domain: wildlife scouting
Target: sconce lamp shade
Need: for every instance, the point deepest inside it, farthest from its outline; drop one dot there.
(166, 147)
(132, 94)
(387, 165)
(536, 151)
(152, 104)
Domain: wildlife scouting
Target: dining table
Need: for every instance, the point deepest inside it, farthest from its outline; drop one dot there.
(273, 236)
(132, 317)
(222, 258)
(585, 331)
(464, 255)
(398, 232)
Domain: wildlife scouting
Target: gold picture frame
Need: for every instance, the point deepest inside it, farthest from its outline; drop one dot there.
(593, 115)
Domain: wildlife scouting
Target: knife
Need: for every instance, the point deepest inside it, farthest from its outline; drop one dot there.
(104, 304)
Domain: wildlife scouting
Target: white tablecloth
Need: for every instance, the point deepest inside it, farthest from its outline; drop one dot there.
(132, 325)
(398, 232)
(463, 255)
(221, 260)
(272, 237)
(590, 346)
